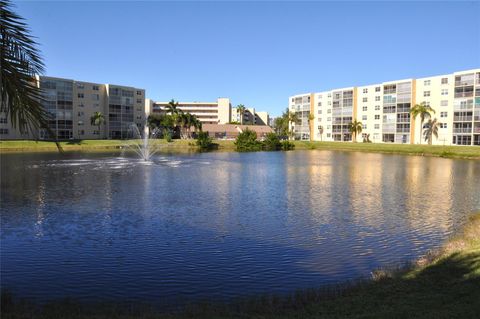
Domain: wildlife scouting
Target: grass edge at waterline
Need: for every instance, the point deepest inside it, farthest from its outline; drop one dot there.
(464, 152)
(443, 284)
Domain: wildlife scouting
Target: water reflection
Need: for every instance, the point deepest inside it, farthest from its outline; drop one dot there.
(220, 224)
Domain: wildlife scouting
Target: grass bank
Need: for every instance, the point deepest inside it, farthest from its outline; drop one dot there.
(468, 152)
(444, 284)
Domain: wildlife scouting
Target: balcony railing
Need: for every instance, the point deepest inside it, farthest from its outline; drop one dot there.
(462, 130)
(462, 118)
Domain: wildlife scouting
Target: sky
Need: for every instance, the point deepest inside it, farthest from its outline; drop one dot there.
(255, 53)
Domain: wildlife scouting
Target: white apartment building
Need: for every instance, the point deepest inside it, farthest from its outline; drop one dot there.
(70, 105)
(218, 112)
(384, 110)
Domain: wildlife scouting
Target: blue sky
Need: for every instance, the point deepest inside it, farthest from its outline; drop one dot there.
(256, 53)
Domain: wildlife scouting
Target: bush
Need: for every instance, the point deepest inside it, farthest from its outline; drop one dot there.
(167, 136)
(247, 142)
(204, 141)
(272, 142)
(287, 145)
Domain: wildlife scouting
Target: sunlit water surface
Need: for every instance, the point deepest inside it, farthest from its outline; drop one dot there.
(220, 225)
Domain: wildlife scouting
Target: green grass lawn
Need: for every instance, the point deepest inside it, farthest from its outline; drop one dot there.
(472, 152)
(445, 284)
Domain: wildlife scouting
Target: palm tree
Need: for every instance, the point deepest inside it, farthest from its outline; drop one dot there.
(355, 128)
(241, 110)
(292, 118)
(424, 111)
(97, 119)
(172, 107)
(320, 130)
(431, 129)
(20, 97)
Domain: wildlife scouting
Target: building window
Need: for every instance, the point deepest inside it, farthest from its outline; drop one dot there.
(443, 125)
(377, 98)
(426, 82)
(365, 99)
(95, 97)
(377, 107)
(444, 103)
(443, 114)
(80, 113)
(319, 111)
(444, 80)
(3, 120)
(378, 88)
(328, 127)
(377, 126)
(426, 93)
(427, 103)
(80, 105)
(365, 108)
(139, 92)
(95, 88)
(377, 116)
(328, 134)
(329, 102)
(81, 132)
(319, 103)
(80, 123)
(364, 126)
(329, 111)
(365, 90)
(80, 95)
(444, 91)
(80, 86)
(3, 131)
(364, 117)
(329, 119)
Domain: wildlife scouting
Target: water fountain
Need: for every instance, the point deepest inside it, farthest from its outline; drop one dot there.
(144, 148)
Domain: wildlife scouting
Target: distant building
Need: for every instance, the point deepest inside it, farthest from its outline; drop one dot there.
(250, 117)
(218, 112)
(231, 131)
(70, 105)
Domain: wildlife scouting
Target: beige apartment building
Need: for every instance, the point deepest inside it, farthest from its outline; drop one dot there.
(70, 105)
(218, 112)
(250, 117)
(384, 110)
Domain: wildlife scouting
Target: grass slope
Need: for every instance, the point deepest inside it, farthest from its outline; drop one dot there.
(445, 284)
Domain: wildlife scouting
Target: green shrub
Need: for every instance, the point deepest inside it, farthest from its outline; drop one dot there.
(272, 142)
(204, 141)
(167, 136)
(287, 145)
(247, 142)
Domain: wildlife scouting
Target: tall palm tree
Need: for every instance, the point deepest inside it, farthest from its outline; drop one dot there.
(355, 127)
(292, 118)
(97, 119)
(431, 129)
(424, 111)
(20, 97)
(241, 110)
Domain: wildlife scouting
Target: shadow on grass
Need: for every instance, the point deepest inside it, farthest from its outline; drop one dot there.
(74, 142)
(450, 288)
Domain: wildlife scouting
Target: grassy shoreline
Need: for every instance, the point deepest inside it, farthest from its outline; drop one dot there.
(444, 284)
(464, 152)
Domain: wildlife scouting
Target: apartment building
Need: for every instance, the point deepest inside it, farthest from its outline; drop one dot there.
(218, 112)
(70, 105)
(250, 117)
(384, 110)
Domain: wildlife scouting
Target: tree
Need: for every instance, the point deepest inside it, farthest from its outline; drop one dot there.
(20, 97)
(320, 130)
(424, 111)
(247, 141)
(241, 110)
(172, 107)
(431, 129)
(97, 119)
(292, 118)
(355, 128)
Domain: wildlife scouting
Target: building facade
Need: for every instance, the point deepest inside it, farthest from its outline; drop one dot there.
(250, 117)
(384, 111)
(70, 105)
(218, 112)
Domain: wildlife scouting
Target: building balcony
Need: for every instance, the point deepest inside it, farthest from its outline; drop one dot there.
(462, 118)
(463, 130)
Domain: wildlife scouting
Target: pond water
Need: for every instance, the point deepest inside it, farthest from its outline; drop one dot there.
(97, 226)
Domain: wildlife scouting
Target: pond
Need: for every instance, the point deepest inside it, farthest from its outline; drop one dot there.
(184, 227)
